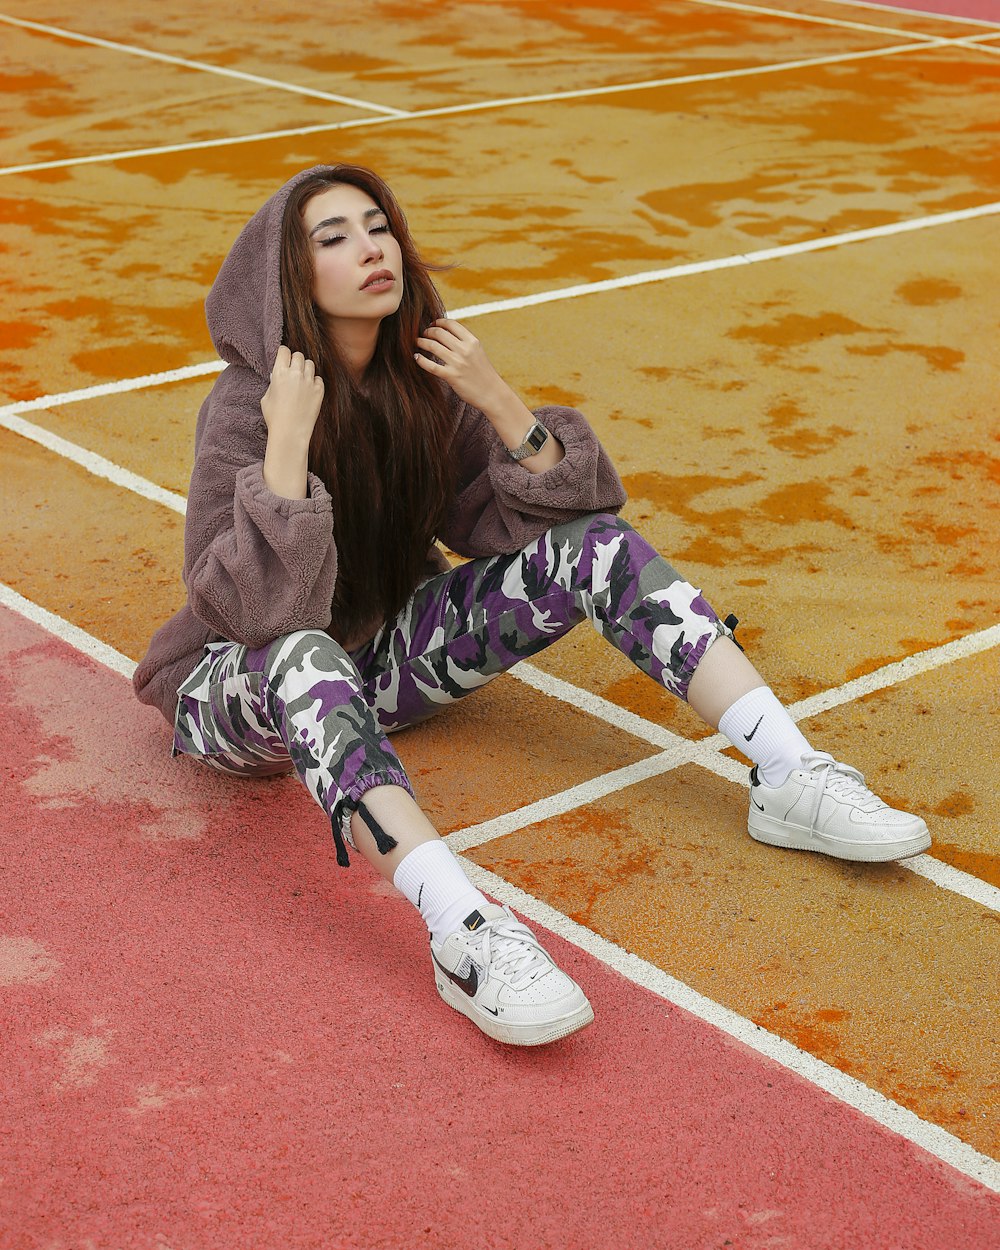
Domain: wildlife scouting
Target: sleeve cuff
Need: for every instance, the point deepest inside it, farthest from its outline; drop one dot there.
(566, 482)
(257, 496)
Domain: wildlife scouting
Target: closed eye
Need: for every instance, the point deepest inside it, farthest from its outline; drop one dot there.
(334, 239)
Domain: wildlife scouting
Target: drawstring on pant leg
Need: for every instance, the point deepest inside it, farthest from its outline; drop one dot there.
(343, 859)
(384, 842)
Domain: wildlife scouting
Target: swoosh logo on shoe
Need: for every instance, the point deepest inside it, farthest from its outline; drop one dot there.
(759, 806)
(469, 983)
(494, 1011)
(753, 731)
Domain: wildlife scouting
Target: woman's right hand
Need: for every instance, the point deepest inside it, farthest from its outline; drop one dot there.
(293, 398)
(290, 406)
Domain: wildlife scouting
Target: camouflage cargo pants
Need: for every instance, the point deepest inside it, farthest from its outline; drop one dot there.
(304, 703)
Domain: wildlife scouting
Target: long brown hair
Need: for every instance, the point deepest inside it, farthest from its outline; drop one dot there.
(380, 444)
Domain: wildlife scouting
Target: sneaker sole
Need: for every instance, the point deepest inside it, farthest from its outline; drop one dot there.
(535, 1034)
(794, 838)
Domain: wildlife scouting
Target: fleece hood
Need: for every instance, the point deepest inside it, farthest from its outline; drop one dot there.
(243, 308)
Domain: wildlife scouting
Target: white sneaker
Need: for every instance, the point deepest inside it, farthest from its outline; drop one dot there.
(826, 806)
(494, 971)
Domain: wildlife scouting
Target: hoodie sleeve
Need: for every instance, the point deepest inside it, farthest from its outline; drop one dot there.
(500, 506)
(257, 565)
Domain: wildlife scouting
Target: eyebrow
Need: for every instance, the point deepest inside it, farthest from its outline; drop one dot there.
(342, 221)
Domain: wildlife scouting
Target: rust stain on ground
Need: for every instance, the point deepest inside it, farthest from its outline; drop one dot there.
(675, 495)
(978, 864)
(812, 1031)
(637, 694)
(791, 433)
(943, 359)
(803, 501)
(957, 464)
(575, 255)
(943, 535)
(542, 395)
(925, 292)
(137, 343)
(907, 646)
(796, 329)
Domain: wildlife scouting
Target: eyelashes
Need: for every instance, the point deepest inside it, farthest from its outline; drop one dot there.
(334, 239)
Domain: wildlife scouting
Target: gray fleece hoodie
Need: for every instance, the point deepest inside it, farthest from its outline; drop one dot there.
(257, 565)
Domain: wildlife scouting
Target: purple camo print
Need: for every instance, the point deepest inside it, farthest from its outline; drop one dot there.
(305, 703)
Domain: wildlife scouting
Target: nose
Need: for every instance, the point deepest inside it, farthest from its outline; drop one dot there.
(371, 249)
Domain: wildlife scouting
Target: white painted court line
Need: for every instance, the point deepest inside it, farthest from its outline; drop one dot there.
(593, 704)
(104, 389)
(732, 262)
(204, 67)
(891, 8)
(95, 464)
(940, 874)
(77, 638)
(681, 80)
(9, 411)
(869, 1102)
(948, 878)
(847, 1089)
(977, 42)
(564, 801)
(842, 23)
(901, 670)
(479, 106)
(707, 753)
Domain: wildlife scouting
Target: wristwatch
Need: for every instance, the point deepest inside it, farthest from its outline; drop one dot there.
(534, 441)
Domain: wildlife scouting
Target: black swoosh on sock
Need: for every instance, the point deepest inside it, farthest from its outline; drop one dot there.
(753, 731)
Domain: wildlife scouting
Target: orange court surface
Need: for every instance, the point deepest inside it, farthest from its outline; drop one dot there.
(756, 244)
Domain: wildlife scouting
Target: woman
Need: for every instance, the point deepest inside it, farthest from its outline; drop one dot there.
(354, 426)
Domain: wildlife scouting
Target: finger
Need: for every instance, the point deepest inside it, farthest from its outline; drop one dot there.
(442, 335)
(426, 362)
(282, 358)
(308, 369)
(432, 346)
(298, 361)
(454, 327)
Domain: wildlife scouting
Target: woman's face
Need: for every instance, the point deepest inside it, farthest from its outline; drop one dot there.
(358, 269)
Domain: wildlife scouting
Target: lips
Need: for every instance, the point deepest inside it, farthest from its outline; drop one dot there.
(381, 278)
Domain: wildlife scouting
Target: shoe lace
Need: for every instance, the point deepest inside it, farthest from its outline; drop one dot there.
(835, 778)
(513, 951)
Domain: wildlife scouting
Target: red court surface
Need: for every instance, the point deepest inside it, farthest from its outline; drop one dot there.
(201, 1053)
(756, 244)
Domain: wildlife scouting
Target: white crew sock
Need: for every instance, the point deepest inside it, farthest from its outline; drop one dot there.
(760, 727)
(434, 882)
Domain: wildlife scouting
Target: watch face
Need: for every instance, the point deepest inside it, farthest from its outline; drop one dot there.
(537, 436)
(534, 441)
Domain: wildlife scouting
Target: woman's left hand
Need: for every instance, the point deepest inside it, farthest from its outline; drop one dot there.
(457, 356)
